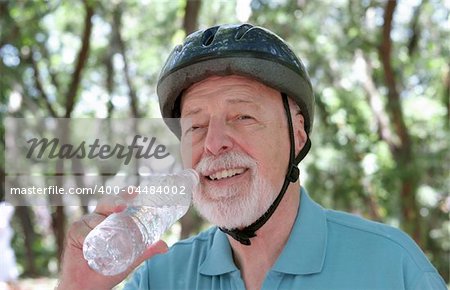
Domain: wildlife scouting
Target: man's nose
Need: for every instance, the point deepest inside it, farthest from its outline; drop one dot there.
(217, 139)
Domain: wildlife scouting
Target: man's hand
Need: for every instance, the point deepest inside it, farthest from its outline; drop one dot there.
(75, 273)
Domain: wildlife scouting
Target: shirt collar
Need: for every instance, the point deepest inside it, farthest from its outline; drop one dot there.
(303, 254)
(305, 249)
(219, 260)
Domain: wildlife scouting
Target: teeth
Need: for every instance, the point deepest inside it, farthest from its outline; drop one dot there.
(226, 173)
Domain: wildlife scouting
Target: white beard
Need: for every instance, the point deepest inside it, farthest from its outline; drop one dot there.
(236, 206)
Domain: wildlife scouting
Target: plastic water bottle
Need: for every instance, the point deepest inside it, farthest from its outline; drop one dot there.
(113, 245)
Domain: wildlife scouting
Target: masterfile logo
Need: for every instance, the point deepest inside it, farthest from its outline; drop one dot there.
(53, 149)
(60, 161)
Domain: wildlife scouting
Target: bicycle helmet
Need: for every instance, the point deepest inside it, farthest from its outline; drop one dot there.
(244, 50)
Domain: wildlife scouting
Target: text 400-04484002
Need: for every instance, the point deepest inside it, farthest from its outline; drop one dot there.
(142, 189)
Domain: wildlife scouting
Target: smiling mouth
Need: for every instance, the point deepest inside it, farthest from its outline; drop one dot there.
(226, 173)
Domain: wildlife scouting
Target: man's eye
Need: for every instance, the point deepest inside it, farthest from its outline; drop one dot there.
(195, 128)
(244, 117)
(190, 129)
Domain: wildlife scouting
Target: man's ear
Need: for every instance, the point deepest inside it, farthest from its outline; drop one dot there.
(298, 123)
(300, 135)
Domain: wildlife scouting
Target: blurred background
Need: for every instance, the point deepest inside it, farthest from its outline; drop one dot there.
(380, 70)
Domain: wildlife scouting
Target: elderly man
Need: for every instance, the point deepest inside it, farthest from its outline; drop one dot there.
(250, 105)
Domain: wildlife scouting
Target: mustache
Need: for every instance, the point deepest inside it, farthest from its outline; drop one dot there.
(231, 159)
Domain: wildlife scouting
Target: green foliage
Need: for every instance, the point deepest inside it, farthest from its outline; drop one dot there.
(350, 167)
(43, 248)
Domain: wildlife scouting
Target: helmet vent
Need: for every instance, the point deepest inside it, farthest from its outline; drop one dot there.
(242, 30)
(208, 35)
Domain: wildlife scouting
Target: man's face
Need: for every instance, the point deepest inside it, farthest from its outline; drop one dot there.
(240, 147)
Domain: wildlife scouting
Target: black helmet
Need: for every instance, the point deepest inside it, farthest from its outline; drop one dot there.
(244, 50)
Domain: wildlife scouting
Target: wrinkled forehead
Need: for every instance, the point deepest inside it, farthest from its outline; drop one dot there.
(229, 79)
(218, 84)
(233, 84)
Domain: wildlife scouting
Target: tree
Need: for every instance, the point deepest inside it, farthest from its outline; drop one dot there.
(374, 153)
(380, 71)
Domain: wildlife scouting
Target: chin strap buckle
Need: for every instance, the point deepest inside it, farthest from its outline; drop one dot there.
(293, 173)
(242, 236)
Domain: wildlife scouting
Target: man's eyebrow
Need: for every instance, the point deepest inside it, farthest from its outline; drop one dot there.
(191, 112)
(239, 100)
(196, 110)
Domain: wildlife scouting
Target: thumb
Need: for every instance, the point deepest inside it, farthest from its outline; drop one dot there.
(159, 247)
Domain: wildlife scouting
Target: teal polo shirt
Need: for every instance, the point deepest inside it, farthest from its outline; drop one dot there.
(327, 250)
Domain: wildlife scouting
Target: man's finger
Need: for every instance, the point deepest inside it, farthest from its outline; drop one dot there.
(92, 220)
(81, 228)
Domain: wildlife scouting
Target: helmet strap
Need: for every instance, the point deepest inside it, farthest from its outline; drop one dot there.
(244, 235)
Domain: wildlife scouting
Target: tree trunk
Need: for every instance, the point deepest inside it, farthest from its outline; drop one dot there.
(118, 39)
(190, 21)
(447, 93)
(58, 224)
(402, 151)
(191, 222)
(81, 59)
(58, 217)
(26, 221)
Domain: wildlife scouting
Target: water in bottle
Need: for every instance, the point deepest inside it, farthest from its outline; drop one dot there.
(112, 246)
